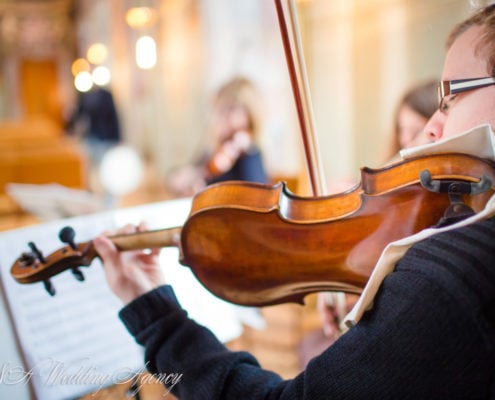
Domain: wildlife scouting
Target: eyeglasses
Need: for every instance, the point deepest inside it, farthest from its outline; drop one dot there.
(451, 88)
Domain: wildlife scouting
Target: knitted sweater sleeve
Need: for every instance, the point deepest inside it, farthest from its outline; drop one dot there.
(430, 335)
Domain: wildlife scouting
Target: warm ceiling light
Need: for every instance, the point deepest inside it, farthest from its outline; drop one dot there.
(101, 75)
(79, 65)
(97, 53)
(83, 81)
(140, 17)
(146, 52)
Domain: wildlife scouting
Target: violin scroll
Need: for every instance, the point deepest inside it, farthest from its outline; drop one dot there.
(33, 266)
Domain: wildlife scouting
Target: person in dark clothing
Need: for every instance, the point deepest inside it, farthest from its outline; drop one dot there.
(232, 152)
(429, 332)
(97, 112)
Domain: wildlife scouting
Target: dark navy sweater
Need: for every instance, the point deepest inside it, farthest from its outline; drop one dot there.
(430, 335)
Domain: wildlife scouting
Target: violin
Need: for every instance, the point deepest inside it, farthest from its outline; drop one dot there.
(256, 245)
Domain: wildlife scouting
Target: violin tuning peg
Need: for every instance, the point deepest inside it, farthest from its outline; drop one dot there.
(49, 287)
(37, 253)
(27, 259)
(67, 235)
(77, 274)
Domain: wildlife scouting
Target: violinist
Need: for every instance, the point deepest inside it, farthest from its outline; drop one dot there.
(430, 333)
(232, 152)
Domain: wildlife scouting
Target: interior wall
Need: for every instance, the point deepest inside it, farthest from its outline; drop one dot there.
(362, 56)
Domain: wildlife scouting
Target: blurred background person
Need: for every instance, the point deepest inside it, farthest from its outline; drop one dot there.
(413, 110)
(231, 151)
(96, 121)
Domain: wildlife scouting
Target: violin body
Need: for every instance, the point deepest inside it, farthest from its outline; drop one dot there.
(259, 245)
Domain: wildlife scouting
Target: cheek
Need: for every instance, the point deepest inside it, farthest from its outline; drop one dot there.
(468, 116)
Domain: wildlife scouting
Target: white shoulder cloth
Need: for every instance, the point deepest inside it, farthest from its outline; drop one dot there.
(479, 141)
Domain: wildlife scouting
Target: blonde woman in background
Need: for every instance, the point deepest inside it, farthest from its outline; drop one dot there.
(232, 152)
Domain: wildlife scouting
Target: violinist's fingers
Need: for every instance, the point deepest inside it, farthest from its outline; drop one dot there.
(143, 227)
(130, 273)
(327, 313)
(126, 229)
(106, 249)
(110, 258)
(108, 232)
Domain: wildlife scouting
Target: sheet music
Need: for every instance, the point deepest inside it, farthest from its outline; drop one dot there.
(74, 343)
(53, 201)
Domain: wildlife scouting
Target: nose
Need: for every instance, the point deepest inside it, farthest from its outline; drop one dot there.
(434, 127)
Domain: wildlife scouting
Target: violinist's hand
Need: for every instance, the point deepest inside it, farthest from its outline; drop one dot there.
(329, 317)
(129, 273)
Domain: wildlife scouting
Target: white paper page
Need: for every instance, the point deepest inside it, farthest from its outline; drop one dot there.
(74, 342)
